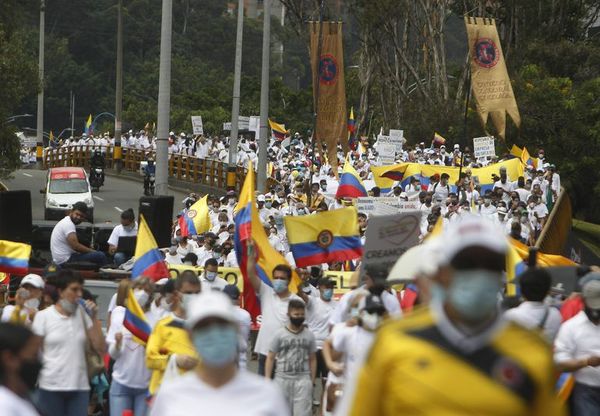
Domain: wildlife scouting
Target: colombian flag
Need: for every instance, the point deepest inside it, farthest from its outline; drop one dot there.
(350, 183)
(278, 131)
(438, 140)
(324, 237)
(135, 320)
(196, 219)
(248, 227)
(14, 257)
(148, 260)
(88, 125)
(527, 159)
(514, 267)
(516, 151)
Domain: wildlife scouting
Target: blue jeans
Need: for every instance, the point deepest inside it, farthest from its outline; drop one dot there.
(126, 398)
(585, 400)
(97, 257)
(63, 403)
(120, 258)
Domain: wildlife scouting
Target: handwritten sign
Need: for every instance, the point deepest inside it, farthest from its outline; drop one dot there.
(484, 147)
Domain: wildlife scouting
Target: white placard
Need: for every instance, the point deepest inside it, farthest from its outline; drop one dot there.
(406, 206)
(388, 237)
(254, 125)
(26, 141)
(383, 205)
(386, 154)
(484, 147)
(197, 127)
(397, 137)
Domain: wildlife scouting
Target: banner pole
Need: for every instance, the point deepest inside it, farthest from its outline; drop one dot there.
(317, 79)
(465, 129)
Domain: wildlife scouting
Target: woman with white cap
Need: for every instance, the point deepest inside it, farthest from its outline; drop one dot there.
(217, 386)
(27, 301)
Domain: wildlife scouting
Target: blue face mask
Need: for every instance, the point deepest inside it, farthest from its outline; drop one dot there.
(217, 345)
(474, 293)
(280, 285)
(327, 294)
(211, 276)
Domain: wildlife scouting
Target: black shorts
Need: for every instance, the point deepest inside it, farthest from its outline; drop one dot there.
(322, 370)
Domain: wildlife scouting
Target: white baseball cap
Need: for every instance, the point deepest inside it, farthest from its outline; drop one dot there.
(211, 304)
(34, 280)
(420, 260)
(471, 231)
(161, 282)
(260, 198)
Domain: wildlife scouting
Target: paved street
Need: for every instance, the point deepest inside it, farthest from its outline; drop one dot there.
(115, 196)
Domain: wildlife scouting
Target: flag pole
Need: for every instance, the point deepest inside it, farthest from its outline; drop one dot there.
(316, 100)
(465, 129)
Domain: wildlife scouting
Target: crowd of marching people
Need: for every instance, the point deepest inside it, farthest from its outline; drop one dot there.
(451, 341)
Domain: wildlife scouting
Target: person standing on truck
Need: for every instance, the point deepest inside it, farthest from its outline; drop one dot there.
(64, 245)
(127, 228)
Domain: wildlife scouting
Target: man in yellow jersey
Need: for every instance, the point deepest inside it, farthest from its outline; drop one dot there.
(169, 336)
(458, 356)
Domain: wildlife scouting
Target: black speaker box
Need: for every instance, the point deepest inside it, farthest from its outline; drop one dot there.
(15, 216)
(158, 212)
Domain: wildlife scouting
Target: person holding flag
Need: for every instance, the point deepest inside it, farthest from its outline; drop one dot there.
(351, 185)
(130, 376)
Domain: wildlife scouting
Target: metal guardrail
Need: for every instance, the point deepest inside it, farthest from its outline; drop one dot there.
(204, 172)
(554, 235)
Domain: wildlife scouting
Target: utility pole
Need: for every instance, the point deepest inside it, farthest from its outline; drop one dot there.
(72, 114)
(40, 102)
(164, 99)
(235, 107)
(261, 177)
(117, 153)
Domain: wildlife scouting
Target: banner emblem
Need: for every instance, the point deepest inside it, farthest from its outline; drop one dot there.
(191, 213)
(328, 70)
(325, 238)
(486, 53)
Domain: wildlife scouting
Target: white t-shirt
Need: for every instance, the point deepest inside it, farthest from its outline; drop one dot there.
(59, 246)
(120, 231)
(245, 394)
(244, 320)
(317, 318)
(63, 354)
(274, 316)
(531, 314)
(13, 405)
(217, 284)
(130, 361)
(354, 342)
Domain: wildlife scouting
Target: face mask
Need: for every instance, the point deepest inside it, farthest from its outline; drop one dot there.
(187, 298)
(231, 202)
(474, 293)
(297, 322)
(217, 256)
(279, 221)
(592, 314)
(211, 276)
(222, 222)
(268, 204)
(128, 227)
(141, 296)
(354, 312)
(370, 321)
(179, 239)
(166, 305)
(68, 307)
(531, 204)
(29, 372)
(327, 294)
(280, 285)
(32, 303)
(323, 188)
(217, 345)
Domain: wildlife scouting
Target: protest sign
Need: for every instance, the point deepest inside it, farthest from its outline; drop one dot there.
(483, 147)
(397, 138)
(197, 126)
(388, 237)
(406, 206)
(375, 206)
(386, 154)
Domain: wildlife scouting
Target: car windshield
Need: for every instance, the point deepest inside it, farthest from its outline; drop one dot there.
(68, 186)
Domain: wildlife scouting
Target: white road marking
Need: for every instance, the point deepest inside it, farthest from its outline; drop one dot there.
(118, 209)
(27, 174)
(98, 198)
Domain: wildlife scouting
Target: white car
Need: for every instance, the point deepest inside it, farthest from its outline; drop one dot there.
(64, 187)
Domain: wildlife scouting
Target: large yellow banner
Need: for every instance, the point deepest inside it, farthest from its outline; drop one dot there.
(489, 78)
(329, 87)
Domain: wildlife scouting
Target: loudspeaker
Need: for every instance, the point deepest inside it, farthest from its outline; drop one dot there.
(158, 212)
(15, 216)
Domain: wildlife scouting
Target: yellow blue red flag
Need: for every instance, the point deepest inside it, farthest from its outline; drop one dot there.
(324, 237)
(249, 228)
(278, 131)
(88, 125)
(148, 260)
(350, 184)
(514, 267)
(438, 139)
(195, 220)
(135, 320)
(14, 257)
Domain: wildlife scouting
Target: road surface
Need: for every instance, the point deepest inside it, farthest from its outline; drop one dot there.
(115, 196)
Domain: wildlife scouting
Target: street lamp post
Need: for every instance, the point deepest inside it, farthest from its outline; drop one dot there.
(261, 168)
(119, 89)
(40, 101)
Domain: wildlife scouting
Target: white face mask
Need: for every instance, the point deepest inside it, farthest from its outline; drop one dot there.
(141, 296)
(33, 303)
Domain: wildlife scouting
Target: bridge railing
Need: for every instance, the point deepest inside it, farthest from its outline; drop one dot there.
(206, 172)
